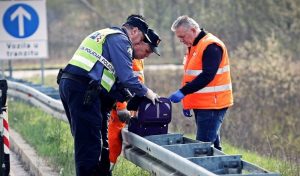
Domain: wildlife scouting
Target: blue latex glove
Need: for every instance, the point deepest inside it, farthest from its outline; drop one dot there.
(176, 97)
(187, 113)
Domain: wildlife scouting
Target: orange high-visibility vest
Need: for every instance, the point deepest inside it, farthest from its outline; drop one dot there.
(138, 69)
(218, 93)
(115, 125)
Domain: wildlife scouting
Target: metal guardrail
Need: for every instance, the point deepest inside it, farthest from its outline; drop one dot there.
(174, 154)
(168, 154)
(44, 97)
(160, 157)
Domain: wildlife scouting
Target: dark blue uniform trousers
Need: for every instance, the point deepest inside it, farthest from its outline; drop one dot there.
(89, 128)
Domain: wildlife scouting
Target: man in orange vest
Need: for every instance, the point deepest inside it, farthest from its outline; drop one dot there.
(120, 115)
(206, 85)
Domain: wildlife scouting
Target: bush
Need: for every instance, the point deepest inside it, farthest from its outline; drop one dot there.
(266, 92)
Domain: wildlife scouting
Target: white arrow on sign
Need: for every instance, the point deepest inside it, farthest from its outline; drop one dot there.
(20, 13)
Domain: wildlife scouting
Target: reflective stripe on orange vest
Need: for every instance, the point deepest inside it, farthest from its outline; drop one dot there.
(218, 93)
(197, 72)
(215, 89)
(138, 69)
(139, 74)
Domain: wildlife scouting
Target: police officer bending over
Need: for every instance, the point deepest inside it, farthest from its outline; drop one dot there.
(88, 87)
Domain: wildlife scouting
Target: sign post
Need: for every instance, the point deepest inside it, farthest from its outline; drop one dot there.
(23, 30)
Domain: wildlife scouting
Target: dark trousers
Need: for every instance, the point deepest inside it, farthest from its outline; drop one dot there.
(209, 122)
(89, 128)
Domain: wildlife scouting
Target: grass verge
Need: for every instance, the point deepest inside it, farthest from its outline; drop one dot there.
(285, 168)
(51, 138)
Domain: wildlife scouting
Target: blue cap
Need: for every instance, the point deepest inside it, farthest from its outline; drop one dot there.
(154, 41)
(140, 24)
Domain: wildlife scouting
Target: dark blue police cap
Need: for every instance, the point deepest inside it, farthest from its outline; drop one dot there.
(154, 41)
(140, 24)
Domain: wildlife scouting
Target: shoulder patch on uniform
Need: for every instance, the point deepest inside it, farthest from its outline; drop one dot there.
(96, 36)
(129, 51)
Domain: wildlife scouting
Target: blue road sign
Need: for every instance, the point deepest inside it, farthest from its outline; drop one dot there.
(20, 20)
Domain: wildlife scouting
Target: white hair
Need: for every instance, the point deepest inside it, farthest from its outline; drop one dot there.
(185, 21)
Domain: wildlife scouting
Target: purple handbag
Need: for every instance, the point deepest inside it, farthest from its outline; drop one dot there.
(152, 119)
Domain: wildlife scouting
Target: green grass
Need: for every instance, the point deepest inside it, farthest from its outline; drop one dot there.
(52, 140)
(126, 168)
(285, 168)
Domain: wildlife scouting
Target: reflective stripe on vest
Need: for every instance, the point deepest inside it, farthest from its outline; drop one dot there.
(215, 89)
(90, 51)
(139, 73)
(94, 55)
(82, 62)
(108, 79)
(197, 72)
(138, 69)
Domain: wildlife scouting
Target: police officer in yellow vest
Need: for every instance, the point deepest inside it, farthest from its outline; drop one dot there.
(99, 73)
(206, 85)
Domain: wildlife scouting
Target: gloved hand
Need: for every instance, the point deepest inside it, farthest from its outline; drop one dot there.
(124, 115)
(152, 96)
(187, 113)
(176, 97)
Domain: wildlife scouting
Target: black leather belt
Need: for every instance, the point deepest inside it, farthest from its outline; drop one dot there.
(77, 78)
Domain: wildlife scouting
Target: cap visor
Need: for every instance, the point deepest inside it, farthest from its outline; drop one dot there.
(155, 50)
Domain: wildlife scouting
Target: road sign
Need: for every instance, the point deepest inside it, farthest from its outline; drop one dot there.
(23, 30)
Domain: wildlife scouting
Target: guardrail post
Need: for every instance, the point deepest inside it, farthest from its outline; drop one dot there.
(4, 139)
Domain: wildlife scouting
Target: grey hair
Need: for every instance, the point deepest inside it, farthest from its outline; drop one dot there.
(185, 21)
